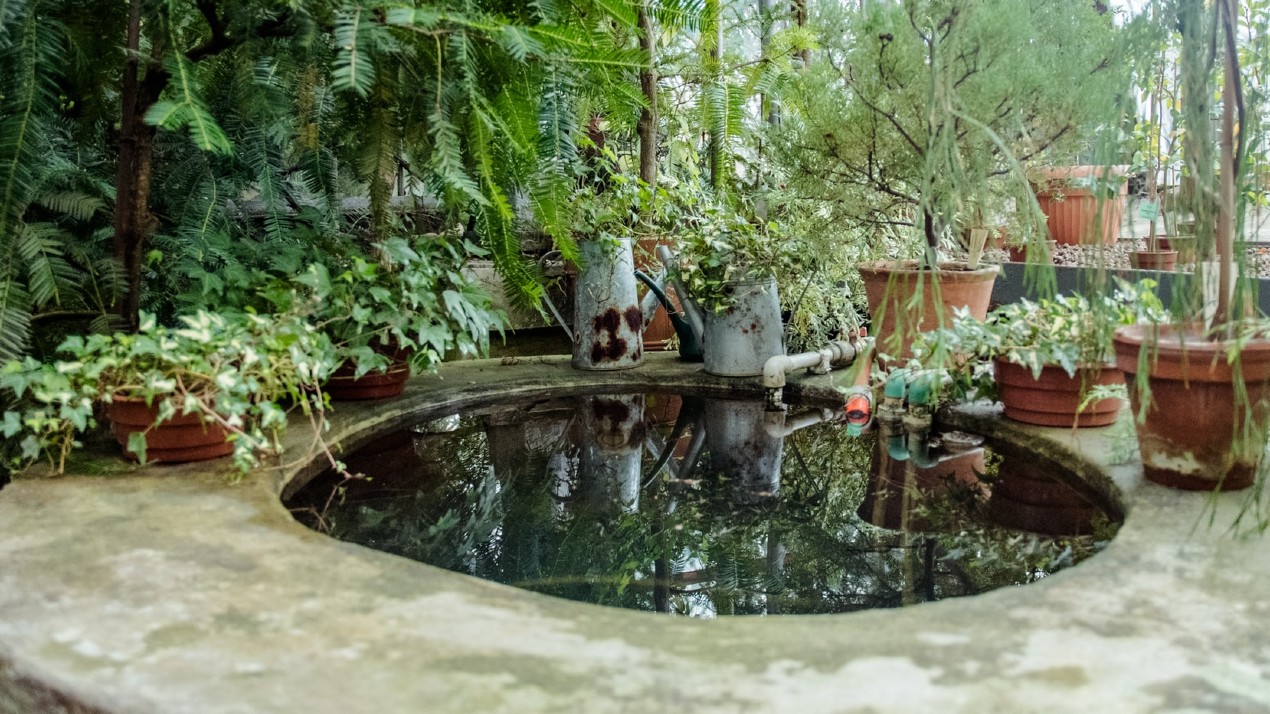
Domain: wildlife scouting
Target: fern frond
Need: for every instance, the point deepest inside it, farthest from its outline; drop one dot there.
(622, 11)
(10, 11)
(39, 245)
(75, 205)
(520, 43)
(557, 126)
(264, 160)
(678, 14)
(447, 160)
(353, 69)
(15, 318)
(27, 94)
(187, 110)
(549, 196)
(496, 221)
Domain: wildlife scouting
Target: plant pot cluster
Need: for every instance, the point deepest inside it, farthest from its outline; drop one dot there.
(222, 384)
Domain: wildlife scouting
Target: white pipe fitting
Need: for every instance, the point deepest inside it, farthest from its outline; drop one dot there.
(778, 425)
(835, 354)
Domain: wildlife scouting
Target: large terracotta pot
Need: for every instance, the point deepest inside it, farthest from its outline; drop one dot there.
(1078, 215)
(1054, 398)
(181, 438)
(1165, 260)
(1195, 435)
(890, 285)
(343, 384)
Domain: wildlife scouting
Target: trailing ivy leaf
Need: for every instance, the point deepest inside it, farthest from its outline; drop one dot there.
(137, 446)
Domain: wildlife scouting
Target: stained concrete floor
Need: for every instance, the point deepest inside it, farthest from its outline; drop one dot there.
(163, 589)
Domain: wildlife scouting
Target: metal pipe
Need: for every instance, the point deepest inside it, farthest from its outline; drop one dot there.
(835, 354)
(648, 306)
(564, 324)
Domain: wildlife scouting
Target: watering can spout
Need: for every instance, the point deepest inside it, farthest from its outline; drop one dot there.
(692, 313)
(689, 341)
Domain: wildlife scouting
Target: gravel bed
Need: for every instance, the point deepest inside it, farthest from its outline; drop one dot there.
(1116, 255)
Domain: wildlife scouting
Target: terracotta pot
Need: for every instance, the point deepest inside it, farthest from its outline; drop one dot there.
(344, 386)
(1078, 215)
(1165, 260)
(1054, 398)
(889, 285)
(1183, 245)
(181, 438)
(1018, 253)
(1195, 436)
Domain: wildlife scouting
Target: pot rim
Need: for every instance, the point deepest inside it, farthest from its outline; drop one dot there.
(1178, 347)
(946, 269)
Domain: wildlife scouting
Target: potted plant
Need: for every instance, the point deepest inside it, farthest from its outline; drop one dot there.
(1155, 156)
(217, 384)
(1083, 204)
(1200, 385)
(924, 116)
(402, 305)
(729, 263)
(1049, 358)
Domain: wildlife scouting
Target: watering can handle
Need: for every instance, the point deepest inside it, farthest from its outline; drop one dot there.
(547, 298)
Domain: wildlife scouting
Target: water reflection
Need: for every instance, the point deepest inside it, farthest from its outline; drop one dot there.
(704, 507)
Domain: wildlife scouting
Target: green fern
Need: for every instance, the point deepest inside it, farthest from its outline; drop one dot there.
(187, 110)
(353, 69)
(49, 276)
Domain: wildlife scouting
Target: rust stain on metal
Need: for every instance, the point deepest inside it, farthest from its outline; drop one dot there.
(608, 323)
(634, 319)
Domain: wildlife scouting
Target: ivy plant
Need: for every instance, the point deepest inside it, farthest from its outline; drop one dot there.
(242, 371)
(1073, 332)
(720, 246)
(407, 294)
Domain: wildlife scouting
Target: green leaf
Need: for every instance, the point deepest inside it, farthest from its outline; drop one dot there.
(137, 445)
(12, 425)
(353, 68)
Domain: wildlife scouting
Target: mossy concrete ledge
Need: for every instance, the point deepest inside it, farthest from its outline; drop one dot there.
(167, 590)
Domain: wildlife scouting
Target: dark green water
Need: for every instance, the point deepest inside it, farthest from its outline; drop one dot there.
(701, 507)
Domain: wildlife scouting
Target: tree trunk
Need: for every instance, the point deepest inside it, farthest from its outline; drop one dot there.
(714, 12)
(647, 126)
(1229, 167)
(799, 10)
(134, 224)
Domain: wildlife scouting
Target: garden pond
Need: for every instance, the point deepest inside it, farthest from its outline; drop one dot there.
(703, 506)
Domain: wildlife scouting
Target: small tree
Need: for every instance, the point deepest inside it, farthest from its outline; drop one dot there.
(919, 113)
